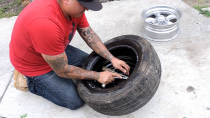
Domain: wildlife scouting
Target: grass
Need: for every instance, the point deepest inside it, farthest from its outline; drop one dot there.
(4, 11)
(24, 116)
(199, 1)
(206, 12)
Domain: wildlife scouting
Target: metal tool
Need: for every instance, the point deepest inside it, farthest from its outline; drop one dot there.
(110, 70)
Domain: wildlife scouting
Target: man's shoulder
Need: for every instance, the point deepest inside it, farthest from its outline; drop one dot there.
(48, 9)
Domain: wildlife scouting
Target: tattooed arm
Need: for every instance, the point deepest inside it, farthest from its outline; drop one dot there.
(59, 64)
(94, 42)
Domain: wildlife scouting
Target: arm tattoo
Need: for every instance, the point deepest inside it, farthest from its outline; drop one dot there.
(88, 32)
(59, 64)
(106, 55)
(84, 33)
(92, 39)
(56, 62)
(90, 35)
(79, 73)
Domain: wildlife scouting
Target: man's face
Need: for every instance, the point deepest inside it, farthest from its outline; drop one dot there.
(73, 8)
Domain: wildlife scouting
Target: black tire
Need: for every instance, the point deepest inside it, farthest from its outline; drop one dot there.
(131, 94)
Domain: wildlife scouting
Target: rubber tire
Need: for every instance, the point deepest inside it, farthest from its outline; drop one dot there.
(142, 85)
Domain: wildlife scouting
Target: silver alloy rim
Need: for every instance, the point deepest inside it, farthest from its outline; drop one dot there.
(161, 23)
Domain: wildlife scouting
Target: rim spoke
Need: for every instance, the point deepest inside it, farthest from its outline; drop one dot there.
(169, 23)
(157, 13)
(150, 20)
(170, 17)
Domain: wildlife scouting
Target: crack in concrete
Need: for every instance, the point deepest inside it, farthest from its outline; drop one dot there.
(6, 89)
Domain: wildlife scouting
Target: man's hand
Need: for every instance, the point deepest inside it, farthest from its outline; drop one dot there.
(121, 65)
(107, 77)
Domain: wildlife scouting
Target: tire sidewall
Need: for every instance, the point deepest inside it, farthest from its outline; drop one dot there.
(106, 99)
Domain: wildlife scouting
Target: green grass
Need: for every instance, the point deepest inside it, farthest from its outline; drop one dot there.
(4, 9)
(24, 116)
(206, 12)
(3, 14)
(17, 2)
(7, 15)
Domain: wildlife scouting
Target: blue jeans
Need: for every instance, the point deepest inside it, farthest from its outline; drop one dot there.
(61, 91)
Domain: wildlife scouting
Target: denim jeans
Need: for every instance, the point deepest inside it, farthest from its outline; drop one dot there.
(61, 91)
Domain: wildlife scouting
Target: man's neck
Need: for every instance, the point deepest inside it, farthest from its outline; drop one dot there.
(60, 3)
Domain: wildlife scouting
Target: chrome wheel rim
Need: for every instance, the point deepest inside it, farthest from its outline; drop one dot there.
(161, 23)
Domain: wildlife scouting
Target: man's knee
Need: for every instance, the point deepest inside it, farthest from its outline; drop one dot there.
(76, 104)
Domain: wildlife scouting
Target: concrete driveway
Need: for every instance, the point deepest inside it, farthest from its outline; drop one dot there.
(185, 82)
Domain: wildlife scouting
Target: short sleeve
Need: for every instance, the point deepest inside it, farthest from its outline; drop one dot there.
(83, 21)
(46, 36)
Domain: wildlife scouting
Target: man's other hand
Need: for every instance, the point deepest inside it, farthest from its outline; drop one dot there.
(121, 65)
(107, 77)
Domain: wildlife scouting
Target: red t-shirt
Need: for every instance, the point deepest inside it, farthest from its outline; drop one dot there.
(41, 28)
